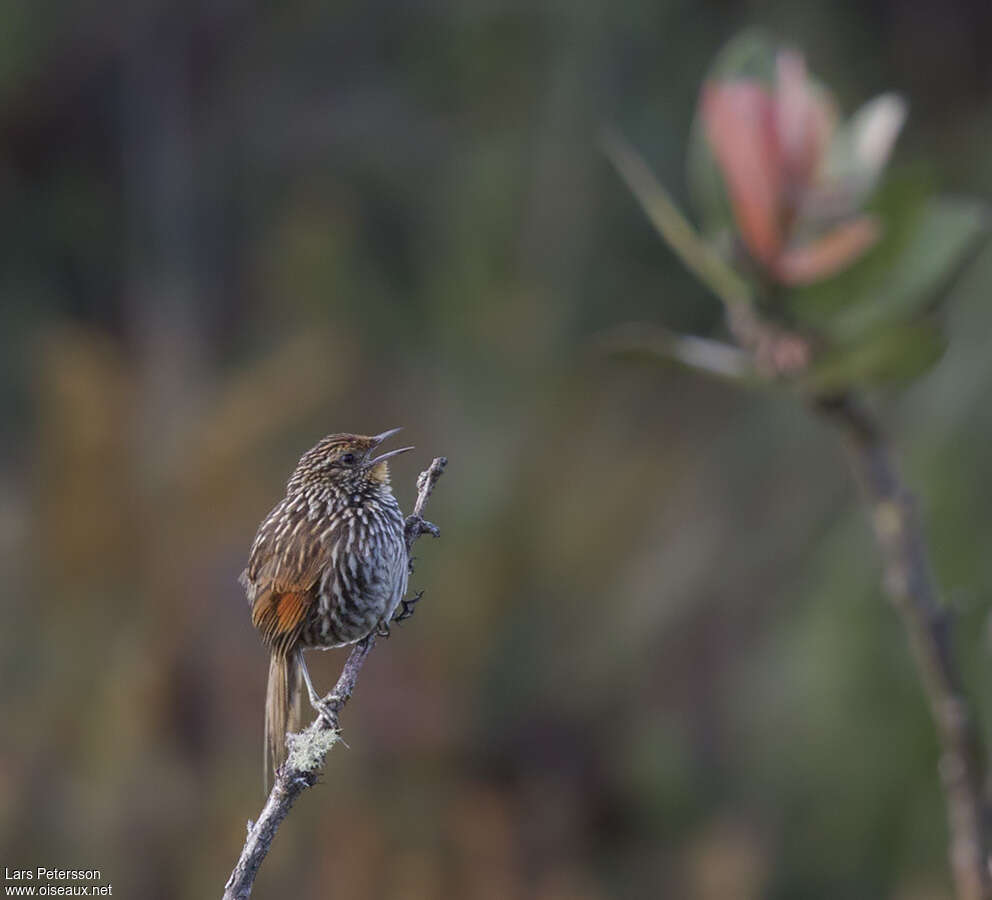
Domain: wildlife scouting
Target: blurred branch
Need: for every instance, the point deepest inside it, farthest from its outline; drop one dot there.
(698, 256)
(308, 750)
(909, 584)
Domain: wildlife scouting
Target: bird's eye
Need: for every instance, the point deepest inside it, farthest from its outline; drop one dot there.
(347, 459)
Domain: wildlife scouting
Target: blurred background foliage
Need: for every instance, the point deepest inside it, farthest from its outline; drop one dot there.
(653, 658)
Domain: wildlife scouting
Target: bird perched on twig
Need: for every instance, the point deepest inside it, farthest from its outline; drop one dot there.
(328, 567)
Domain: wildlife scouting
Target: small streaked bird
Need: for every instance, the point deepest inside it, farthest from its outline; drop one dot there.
(327, 568)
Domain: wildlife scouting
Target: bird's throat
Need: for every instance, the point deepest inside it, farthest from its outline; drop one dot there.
(380, 473)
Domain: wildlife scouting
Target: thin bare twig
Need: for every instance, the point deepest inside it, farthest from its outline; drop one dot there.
(910, 586)
(308, 750)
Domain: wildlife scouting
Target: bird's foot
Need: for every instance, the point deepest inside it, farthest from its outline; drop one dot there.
(327, 712)
(418, 525)
(325, 707)
(406, 607)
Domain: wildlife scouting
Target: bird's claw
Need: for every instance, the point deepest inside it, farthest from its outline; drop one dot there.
(326, 711)
(406, 607)
(325, 707)
(417, 525)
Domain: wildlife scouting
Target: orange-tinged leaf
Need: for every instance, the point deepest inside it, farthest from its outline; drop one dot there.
(804, 118)
(829, 254)
(739, 119)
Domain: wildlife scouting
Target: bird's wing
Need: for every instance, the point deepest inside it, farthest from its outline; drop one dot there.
(283, 570)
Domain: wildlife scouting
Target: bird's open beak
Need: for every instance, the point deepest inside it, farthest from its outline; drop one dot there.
(378, 439)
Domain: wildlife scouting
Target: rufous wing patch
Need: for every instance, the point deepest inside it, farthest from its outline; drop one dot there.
(290, 611)
(280, 617)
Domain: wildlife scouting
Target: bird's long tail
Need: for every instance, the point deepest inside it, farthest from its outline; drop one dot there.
(282, 708)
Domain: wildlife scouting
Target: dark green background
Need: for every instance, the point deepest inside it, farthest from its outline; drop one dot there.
(653, 658)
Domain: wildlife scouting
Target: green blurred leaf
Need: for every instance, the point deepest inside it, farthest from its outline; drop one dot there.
(946, 232)
(897, 354)
(898, 205)
(925, 243)
(694, 251)
(708, 191)
(749, 54)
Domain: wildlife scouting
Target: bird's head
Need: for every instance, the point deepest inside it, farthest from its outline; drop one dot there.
(346, 462)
